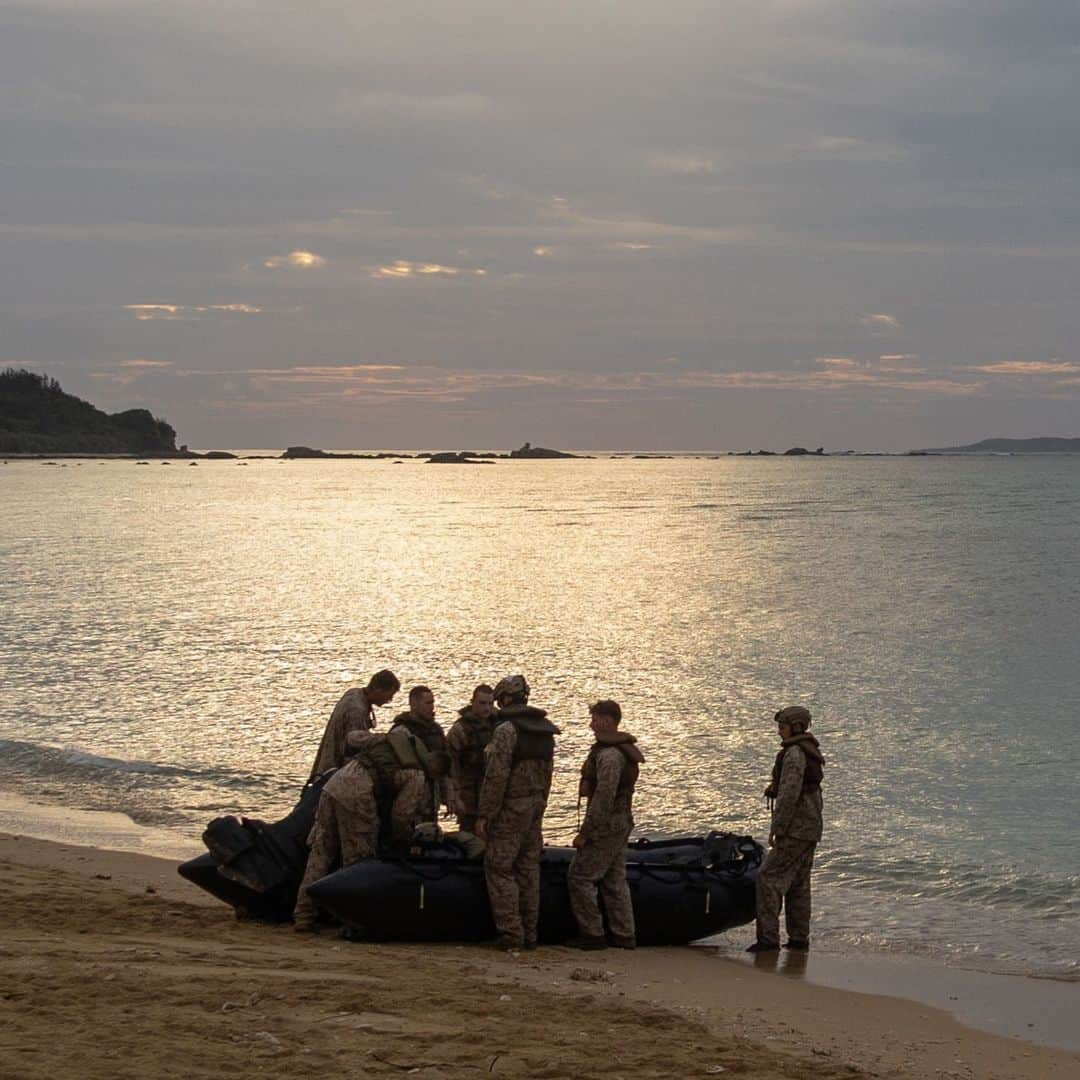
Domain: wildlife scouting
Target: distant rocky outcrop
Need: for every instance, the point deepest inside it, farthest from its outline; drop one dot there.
(800, 451)
(1042, 445)
(38, 417)
(530, 451)
(307, 452)
(462, 458)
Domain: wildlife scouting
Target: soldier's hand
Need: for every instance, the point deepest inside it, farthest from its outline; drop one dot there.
(480, 829)
(578, 841)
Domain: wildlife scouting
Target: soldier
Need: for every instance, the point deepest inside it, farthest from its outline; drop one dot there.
(513, 797)
(374, 794)
(794, 796)
(466, 742)
(420, 721)
(607, 781)
(355, 712)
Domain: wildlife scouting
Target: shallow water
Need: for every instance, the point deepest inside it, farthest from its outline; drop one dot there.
(174, 639)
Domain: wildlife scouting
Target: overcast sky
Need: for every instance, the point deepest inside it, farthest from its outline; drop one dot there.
(618, 224)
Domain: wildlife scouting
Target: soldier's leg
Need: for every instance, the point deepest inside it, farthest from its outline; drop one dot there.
(616, 892)
(587, 867)
(773, 881)
(504, 842)
(797, 900)
(358, 830)
(325, 849)
(527, 874)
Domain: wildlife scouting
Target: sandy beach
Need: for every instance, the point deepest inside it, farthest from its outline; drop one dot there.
(111, 965)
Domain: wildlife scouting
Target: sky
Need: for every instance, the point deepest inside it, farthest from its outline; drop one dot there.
(607, 224)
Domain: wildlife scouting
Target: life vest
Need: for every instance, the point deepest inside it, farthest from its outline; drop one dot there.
(535, 733)
(477, 734)
(814, 772)
(624, 743)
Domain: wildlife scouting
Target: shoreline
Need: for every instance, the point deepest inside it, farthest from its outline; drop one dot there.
(1022, 1017)
(148, 976)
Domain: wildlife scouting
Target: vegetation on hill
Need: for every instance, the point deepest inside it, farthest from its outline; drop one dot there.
(38, 417)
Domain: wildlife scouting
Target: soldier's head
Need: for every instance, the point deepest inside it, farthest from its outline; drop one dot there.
(482, 704)
(422, 702)
(513, 690)
(382, 686)
(604, 716)
(793, 720)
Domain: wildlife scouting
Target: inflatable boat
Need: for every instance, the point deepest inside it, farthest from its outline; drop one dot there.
(682, 889)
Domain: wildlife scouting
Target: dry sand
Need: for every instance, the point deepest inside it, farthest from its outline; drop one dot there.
(112, 966)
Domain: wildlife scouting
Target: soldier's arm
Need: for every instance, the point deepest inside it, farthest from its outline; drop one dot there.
(455, 743)
(358, 739)
(788, 790)
(609, 767)
(355, 720)
(500, 760)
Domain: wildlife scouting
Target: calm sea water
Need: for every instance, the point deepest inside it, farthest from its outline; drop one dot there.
(174, 638)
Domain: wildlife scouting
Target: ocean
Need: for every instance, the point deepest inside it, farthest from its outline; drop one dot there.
(174, 638)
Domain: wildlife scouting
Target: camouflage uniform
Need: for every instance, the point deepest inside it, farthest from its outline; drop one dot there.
(430, 733)
(795, 832)
(513, 797)
(608, 778)
(348, 821)
(353, 713)
(466, 742)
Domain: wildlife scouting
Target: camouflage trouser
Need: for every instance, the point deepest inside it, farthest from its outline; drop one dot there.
(785, 877)
(601, 863)
(342, 835)
(512, 867)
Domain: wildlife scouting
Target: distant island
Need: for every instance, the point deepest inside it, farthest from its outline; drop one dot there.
(1042, 445)
(38, 417)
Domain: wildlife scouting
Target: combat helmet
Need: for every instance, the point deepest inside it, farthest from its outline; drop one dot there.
(794, 714)
(515, 687)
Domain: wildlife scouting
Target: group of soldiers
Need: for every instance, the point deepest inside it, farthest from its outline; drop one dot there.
(493, 772)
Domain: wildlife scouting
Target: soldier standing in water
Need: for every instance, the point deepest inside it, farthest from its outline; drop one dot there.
(794, 794)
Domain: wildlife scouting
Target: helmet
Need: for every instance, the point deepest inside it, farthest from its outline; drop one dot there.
(793, 714)
(513, 685)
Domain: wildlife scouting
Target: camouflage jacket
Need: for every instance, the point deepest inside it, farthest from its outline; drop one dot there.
(797, 811)
(466, 742)
(505, 778)
(352, 713)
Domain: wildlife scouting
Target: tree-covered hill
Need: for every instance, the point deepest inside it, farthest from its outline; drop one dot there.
(37, 417)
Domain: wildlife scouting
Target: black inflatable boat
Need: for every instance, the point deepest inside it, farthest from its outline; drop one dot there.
(682, 889)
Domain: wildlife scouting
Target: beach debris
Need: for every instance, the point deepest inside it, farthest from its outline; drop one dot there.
(151, 889)
(230, 1006)
(715, 1070)
(583, 974)
(504, 997)
(268, 1040)
(416, 1066)
(103, 877)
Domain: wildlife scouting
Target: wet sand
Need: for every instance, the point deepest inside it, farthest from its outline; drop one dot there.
(111, 965)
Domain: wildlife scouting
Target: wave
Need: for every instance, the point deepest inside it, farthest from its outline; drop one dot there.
(41, 760)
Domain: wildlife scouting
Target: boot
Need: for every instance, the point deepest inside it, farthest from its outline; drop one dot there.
(587, 943)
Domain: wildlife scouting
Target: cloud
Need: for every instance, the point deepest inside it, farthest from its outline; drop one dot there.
(1027, 367)
(542, 250)
(141, 363)
(880, 322)
(300, 260)
(836, 363)
(180, 312)
(679, 165)
(402, 269)
(440, 107)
